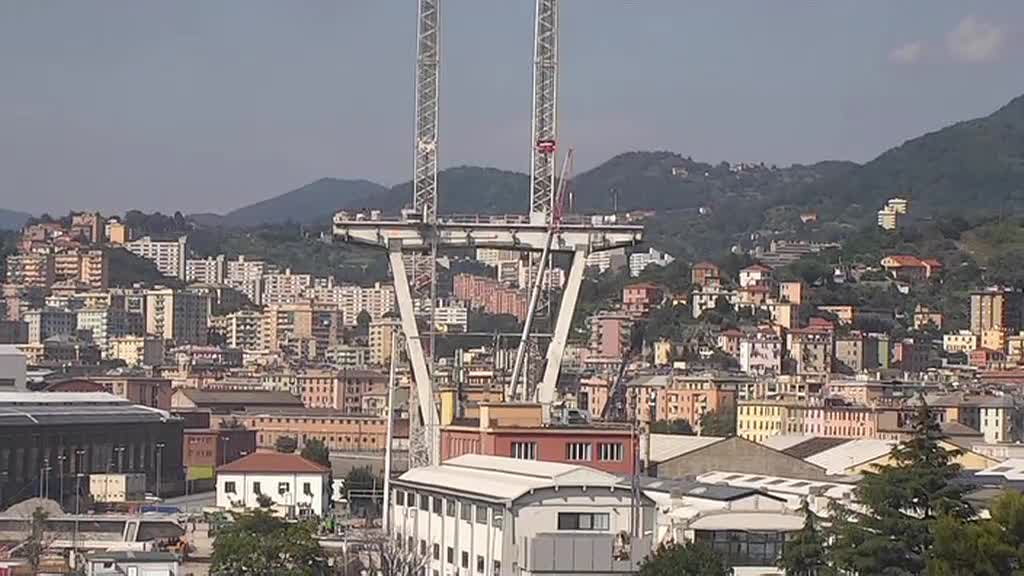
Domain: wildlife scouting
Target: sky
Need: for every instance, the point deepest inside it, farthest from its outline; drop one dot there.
(208, 105)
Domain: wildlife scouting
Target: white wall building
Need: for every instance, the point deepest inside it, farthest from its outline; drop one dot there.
(167, 255)
(104, 324)
(296, 486)
(131, 563)
(641, 260)
(47, 322)
(12, 369)
(497, 516)
(206, 270)
(492, 256)
(137, 350)
(246, 276)
(285, 288)
(376, 300)
(607, 260)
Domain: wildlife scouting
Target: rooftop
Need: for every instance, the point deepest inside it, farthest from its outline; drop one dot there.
(505, 479)
(60, 408)
(273, 462)
(247, 397)
(668, 446)
(133, 556)
(838, 459)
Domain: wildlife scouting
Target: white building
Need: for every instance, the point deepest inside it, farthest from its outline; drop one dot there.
(246, 276)
(206, 270)
(607, 260)
(178, 315)
(641, 260)
(761, 354)
(755, 275)
(497, 516)
(963, 341)
(296, 486)
(244, 330)
(131, 563)
(707, 298)
(285, 288)
(167, 255)
(376, 300)
(492, 256)
(13, 369)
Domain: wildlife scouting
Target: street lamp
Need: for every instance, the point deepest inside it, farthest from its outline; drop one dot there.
(159, 466)
(61, 458)
(79, 453)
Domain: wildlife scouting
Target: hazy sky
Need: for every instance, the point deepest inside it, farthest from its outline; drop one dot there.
(206, 105)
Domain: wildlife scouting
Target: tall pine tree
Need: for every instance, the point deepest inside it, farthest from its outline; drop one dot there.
(889, 531)
(805, 551)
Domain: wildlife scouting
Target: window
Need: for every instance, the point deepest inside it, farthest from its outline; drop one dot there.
(611, 452)
(524, 450)
(465, 559)
(497, 567)
(481, 514)
(577, 451)
(437, 505)
(423, 547)
(450, 556)
(437, 551)
(307, 488)
(497, 517)
(399, 497)
(282, 487)
(742, 548)
(578, 521)
(229, 487)
(256, 488)
(449, 508)
(466, 513)
(424, 502)
(412, 544)
(479, 564)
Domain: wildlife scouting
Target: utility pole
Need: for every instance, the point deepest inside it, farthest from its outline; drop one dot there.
(385, 507)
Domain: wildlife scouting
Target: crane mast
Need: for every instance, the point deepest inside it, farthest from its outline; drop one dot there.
(545, 99)
(424, 434)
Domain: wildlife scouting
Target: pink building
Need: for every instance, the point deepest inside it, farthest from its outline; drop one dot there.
(610, 334)
(638, 299)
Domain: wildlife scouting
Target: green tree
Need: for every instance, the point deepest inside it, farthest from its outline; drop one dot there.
(804, 553)
(286, 444)
(316, 451)
(688, 559)
(986, 547)
(261, 544)
(718, 423)
(679, 426)
(891, 529)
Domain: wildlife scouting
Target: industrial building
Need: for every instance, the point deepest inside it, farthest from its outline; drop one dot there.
(48, 438)
(500, 516)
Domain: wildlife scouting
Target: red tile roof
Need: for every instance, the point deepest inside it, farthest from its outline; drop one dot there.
(274, 463)
(705, 264)
(756, 268)
(932, 262)
(904, 260)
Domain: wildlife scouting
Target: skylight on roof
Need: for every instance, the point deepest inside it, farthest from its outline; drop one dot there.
(755, 478)
(733, 476)
(799, 484)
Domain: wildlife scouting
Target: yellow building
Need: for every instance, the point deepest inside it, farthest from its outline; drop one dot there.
(759, 421)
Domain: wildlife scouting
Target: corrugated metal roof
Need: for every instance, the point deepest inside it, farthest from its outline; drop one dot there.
(667, 446)
(783, 442)
(812, 446)
(58, 408)
(501, 478)
(840, 458)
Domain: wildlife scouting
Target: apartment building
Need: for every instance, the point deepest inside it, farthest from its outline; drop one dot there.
(137, 350)
(337, 430)
(380, 335)
(811, 352)
(610, 334)
(378, 301)
(755, 275)
(301, 326)
(606, 260)
(639, 261)
(691, 397)
(178, 315)
(760, 353)
(638, 299)
(88, 225)
(493, 256)
(117, 232)
(702, 273)
(320, 389)
(31, 270)
(244, 330)
(206, 270)
(854, 353)
(285, 288)
(961, 342)
(759, 419)
(996, 309)
(104, 324)
(792, 292)
(167, 255)
(246, 276)
(48, 322)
